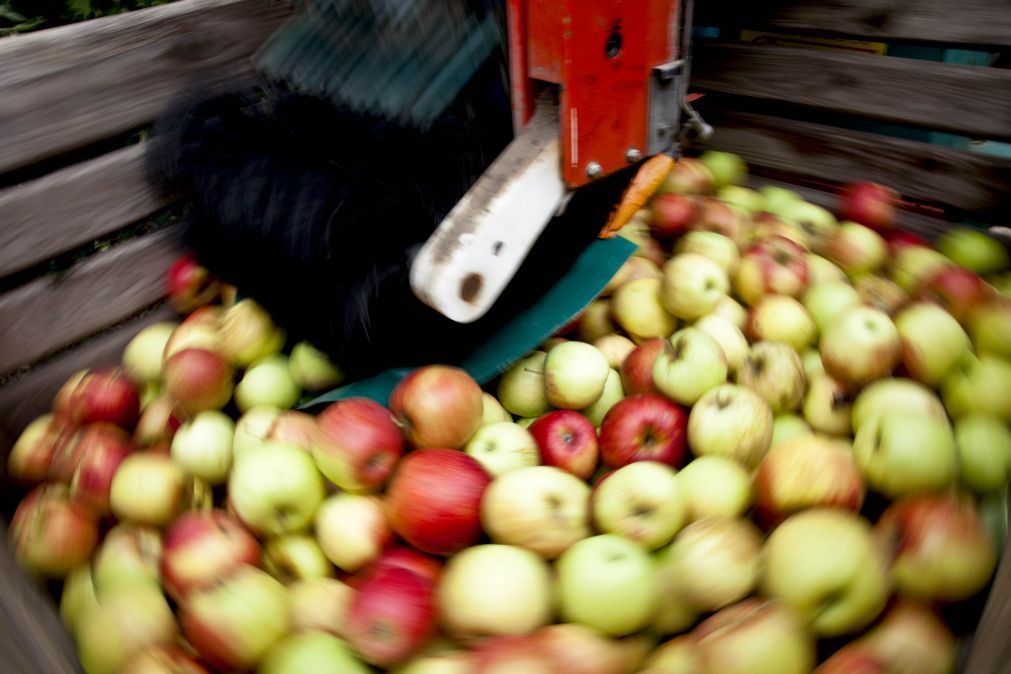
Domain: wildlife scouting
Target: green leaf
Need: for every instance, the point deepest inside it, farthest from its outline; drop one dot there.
(80, 8)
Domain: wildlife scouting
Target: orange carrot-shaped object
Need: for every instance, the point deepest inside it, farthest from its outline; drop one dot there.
(642, 187)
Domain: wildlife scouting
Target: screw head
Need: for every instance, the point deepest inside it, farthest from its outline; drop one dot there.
(593, 169)
(633, 155)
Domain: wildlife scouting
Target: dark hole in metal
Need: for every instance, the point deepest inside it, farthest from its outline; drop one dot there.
(613, 45)
(497, 247)
(470, 287)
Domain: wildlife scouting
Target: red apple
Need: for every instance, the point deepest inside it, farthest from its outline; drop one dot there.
(92, 478)
(392, 615)
(689, 176)
(159, 421)
(716, 216)
(190, 285)
(71, 449)
(775, 265)
(911, 639)
(672, 214)
(853, 659)
(900, 238)
(434, 500)
(296, 429)
(31, 456)
(106, 394)
(162, 660)
(203, 547)
(567, 440)
(869, 204)
(637, 368)
(359, 444)
(404, 557)
(643, 427)
(512, 655)
(50, 533)
(956, 289)
(199, 379)
(437, 406)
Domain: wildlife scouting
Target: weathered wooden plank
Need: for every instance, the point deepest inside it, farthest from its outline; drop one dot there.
(49, 313)
(967, 23)
(56, 213)
(930, 173)
(66, 87)
(991, 650)
(973, 101)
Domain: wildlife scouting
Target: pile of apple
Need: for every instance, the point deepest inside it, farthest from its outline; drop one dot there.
(763, 449)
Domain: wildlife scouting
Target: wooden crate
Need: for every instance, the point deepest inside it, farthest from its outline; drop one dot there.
(85, 240)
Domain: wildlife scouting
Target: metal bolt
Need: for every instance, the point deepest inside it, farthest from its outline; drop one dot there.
(593, 169)
(633, 155)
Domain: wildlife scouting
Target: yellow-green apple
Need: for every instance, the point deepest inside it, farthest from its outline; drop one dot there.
(821, 270)
(774, 265)
(199, 379)
(391, 616)
(158, 422)
(882, 294)
(788, 426)
(438, 406)
(718, 248)
(311, 652)
(955, 289)
(633, 268)
(911, 639)
(826, 565)
(434, 500)
(129, 554)
(974, 249)
(162, 659)
(980, 384)
(521, 388)
(775, 372)
(541, 508)
(727, 168)
(493, 410)
(989, 325)
(754, 636)
(252, 428)
(104, 394)
(688, 176)
(802, 473)
(312, 369)
(731, 309)
(637, 368)
(595, 320)
(248, 333)
(78, 592)
(612, 394)
(202, 547)
(716, 216)
(267, 381)
(716, 560)
(607, 582)
(856, 249)
(911, 265)
(860, 345)
(676, 656)
(690, 364)
(568, 440)
(812, 363)
(643, 427)
(904, 453)
(672, 214)
(199, 330)
(692, 285)
(122, 622)
(637, 307)
(984, 452)
(939, 547)
(233, 624)
(781, 318)
(150, 489)
(817, 222)
(674, 613)
(448, 662)
(502, 447)
(933, 342)
(828, 406)
(275, 490)
(715, 486)
(778, 199)
(574, 375)
(731, 421)
(33, 452)
(352, 529)
(319, 605)
(295, 557)
(358, 445)
(615, 348)
(870, 204)
(730, 338)
(742, 197)
(495, 590)
(642, 502)
(825, 301)
(892, 396)
(767, 224)
(203, 445)
(50, 534)
(143, 357)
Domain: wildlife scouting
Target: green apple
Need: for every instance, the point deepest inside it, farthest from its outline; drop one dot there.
(781, 318)
(120, 623)
(904, 453)
(911, 265)
(315, 652)
(818, 223)
(437, 663)
(857, 249)
(821, 270)
(574, 375)
(295, 557)
(720, 249)
(754, 636)
(638, 308)
(78, 593)
(860, 345)
(911, 622)
(503, 446)
(980, 384)
(677, 656)
(275, 490)
(642, 501)
(267, 382)
(775, 372)
(633, 268)
(352, 529)
(144, 355)
(825, 301)
(493, 410)
(727, 168)
(311, 369)
(595, 321)
(248, 333)
(828, 407)
(746, 199)
(731, 421)
(895, 396)
(933, 342)
(203, 446)
(692, 285)
(788, 426)
(825, 564)
(812, 363)
(495, 590)
(730, 338)
(732, 310)
(974, 250)
(690, 364)
(615, 348)
(674, 613)
(778, 200)
(130, 554)
(319, 604)
(984, 451)
(989, 325)
(613, 392)
(880, 293)
(149, 489)
(715, 486)
(252, 428)
(521, 388)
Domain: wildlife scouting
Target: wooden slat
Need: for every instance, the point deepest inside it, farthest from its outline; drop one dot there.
(66, 87)
(967, 23)
(48, 314)
(70, 207)
(991, 649)
(973, 101)
(970, 182)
